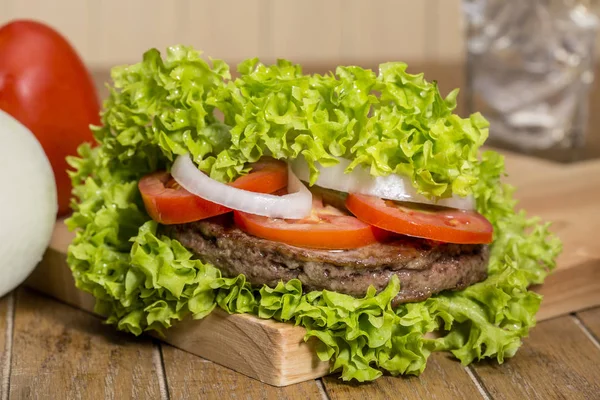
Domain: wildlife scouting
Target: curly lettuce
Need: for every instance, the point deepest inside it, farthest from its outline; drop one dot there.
(393, 122)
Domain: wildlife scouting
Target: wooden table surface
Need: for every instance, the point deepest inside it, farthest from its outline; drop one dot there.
(51, 350)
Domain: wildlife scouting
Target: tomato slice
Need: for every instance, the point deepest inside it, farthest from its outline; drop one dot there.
(168, 203)
(326, 228)
(430, 222)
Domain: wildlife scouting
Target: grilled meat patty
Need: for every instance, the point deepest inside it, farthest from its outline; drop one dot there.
(423, 266)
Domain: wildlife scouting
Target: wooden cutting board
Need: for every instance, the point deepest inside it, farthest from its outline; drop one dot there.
(275, 353)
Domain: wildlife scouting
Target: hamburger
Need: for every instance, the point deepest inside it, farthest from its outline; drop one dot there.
(355, 204)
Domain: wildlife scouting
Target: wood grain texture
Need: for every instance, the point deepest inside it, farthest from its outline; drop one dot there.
(558, 361)
(450, 40)
(222, 28)
(444, 378)
(305, 31)
(569, 198)
(5, 344)
(522, 170)
(125, 41)
(227, 29)
(570, 289)
(270, 351)
(591, 320)
(67, 353)
(46, 279)
(110, 32)
(191, 377)
(384, 30)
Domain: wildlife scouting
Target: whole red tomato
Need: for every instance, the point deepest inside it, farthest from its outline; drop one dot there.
(44, 85)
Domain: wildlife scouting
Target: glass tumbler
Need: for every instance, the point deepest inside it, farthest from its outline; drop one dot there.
(530, 65)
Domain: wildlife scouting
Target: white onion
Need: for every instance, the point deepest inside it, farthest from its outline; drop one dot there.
(28, 202)
(391, 187)
(295, 205)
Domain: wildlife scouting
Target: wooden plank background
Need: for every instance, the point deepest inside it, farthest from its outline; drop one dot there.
(6, 320)
(70, 352)
(322, 32)
(190, 377)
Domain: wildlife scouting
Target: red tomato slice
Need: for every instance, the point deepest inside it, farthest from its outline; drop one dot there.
(327, 228)
(168, 203)
(430, 222)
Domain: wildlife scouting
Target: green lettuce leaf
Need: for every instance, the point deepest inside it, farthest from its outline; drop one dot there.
(393, 122)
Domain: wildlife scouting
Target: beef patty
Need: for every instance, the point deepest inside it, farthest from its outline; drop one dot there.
(424, 267)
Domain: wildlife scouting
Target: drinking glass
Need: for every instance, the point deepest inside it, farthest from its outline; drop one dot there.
(530, 67)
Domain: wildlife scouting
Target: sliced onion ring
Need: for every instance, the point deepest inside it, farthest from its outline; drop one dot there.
(391, 187)
(295, 205)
